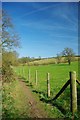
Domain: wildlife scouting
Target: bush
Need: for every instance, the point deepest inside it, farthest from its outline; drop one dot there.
(7, 72)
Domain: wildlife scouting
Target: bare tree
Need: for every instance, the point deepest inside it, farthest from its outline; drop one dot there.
(69, 54)
(10, 39)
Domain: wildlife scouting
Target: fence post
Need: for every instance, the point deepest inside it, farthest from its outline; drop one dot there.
(19, 72)
(29, 75)
(22, 71)
(73, 89)
(48, 84)
(36, 76)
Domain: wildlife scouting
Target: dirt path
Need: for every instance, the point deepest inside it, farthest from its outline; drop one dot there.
(35, 106)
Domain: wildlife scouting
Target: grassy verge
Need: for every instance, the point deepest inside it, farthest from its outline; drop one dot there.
(14, 101)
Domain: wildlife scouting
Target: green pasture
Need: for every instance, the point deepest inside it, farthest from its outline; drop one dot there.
(59, 74)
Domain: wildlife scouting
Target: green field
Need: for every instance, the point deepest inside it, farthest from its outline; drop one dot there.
(59, 74)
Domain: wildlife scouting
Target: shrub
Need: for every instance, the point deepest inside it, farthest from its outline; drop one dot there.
(7, 72)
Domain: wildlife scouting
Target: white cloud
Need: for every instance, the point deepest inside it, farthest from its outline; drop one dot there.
(64, 36)
(34, 11)
(44, 26)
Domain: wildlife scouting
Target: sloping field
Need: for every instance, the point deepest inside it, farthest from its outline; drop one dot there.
(47, 61)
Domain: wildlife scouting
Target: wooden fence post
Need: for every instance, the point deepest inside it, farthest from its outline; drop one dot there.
(48, 84)
(22, 71)
(73, 89)
(19, 72)
(29, 75)
(36, 76)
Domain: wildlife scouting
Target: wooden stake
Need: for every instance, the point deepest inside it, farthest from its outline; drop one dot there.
(19, 72)
(73, 92)
(29, 75)
(36, 77)
(23, 71)
(48, 84)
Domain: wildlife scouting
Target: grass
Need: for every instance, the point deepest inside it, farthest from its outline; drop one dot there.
(14, 101)
(59, 74)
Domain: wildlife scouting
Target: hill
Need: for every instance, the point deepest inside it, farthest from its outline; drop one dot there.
(46, 61)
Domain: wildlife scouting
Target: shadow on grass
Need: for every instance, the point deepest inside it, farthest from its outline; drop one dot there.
(26, 81)
(59, 103)
(39, 92)
(44, 98)
(30, 85)
(63, 64)
(54, 103)
(22, 78)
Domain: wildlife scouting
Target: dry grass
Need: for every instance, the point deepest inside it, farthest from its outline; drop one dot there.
(47, 61)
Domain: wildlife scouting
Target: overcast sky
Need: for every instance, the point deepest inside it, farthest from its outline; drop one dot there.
(45, 28)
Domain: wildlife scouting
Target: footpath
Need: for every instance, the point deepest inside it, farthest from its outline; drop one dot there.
(35, 106)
